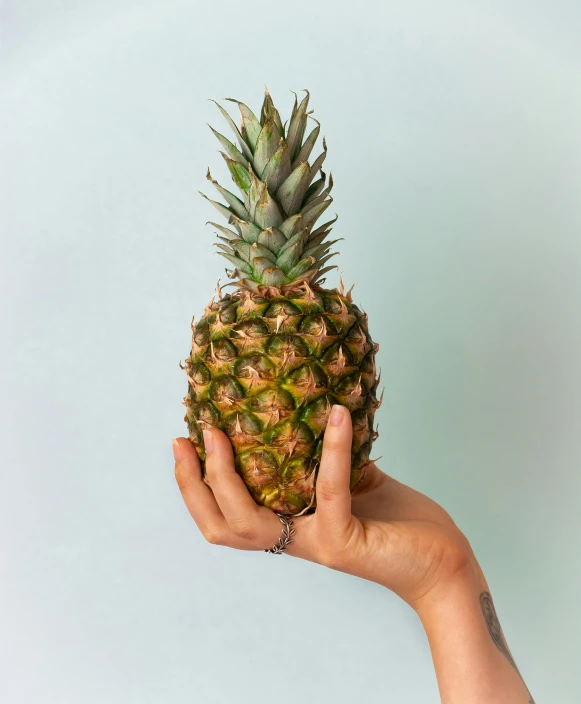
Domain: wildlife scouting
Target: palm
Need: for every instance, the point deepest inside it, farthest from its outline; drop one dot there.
(412, 533)
(383, 498)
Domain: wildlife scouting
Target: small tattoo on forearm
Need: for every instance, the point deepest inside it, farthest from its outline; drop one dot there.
(495, 630)
(494, 627)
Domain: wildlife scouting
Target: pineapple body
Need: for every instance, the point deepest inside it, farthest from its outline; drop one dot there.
(266, 371)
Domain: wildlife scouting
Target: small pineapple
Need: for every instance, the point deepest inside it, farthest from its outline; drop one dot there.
(270, 359)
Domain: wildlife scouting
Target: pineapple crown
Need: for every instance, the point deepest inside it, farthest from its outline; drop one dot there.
(272, 244)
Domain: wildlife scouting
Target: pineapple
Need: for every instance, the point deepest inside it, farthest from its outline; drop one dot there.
(270, 359)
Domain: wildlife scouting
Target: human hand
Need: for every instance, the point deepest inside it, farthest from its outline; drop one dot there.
(385, 531)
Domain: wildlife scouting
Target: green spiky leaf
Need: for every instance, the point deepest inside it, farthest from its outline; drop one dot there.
(273, 276)
(224, 247)
(238, 263)
(230, 234)
(291, 225)
(315, 240)
(266, 145)
(222, 209)
(297, 127)
(277, 169)
(314, 189)
(318, 250)
(230, 148)
(307, 148)
(300, 268)
(239, 173)
(272, 238)
(251, 123)
(236, 205)
(259, 250)
(301, 237)
(323, 260)
(259, 264)
(264, 210)
(312, 213)
(322, 271)
(315, 168)
(291, 192)
(311, 202)
(269, 111)
(324, 227)
(290, 256)
(248, 230)
(245, 148)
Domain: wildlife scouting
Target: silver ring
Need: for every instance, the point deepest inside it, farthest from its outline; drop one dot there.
(285, 540)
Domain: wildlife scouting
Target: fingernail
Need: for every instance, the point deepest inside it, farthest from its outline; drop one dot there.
(208, 442)
(337, 415)
(177, 453)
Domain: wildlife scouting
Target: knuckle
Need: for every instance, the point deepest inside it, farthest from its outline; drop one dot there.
(333, 443)
(181, 475)
(326, 492)
(213, 535)
(244, 529)
(337, 441)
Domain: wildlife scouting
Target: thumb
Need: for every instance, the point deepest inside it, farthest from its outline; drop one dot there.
(332, 487)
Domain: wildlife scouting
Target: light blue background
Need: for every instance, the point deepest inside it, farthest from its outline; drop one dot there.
(454, 141)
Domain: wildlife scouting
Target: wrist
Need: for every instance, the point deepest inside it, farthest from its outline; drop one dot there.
(453, 592)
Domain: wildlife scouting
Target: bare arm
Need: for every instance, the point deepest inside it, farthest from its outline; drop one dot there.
(471, 657)
(385, 532)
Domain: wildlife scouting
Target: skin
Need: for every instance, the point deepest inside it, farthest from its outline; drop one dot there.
(385, 532)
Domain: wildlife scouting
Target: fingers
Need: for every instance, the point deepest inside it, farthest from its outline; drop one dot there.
(252, 523)
(199, 499)
(227, 514)
(332, 487)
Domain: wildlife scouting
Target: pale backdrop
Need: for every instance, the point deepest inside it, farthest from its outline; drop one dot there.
(454, 141)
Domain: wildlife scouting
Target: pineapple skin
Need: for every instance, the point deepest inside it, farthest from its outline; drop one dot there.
(266, 367)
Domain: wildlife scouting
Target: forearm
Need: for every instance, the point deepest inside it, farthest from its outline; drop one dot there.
(472, 661)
